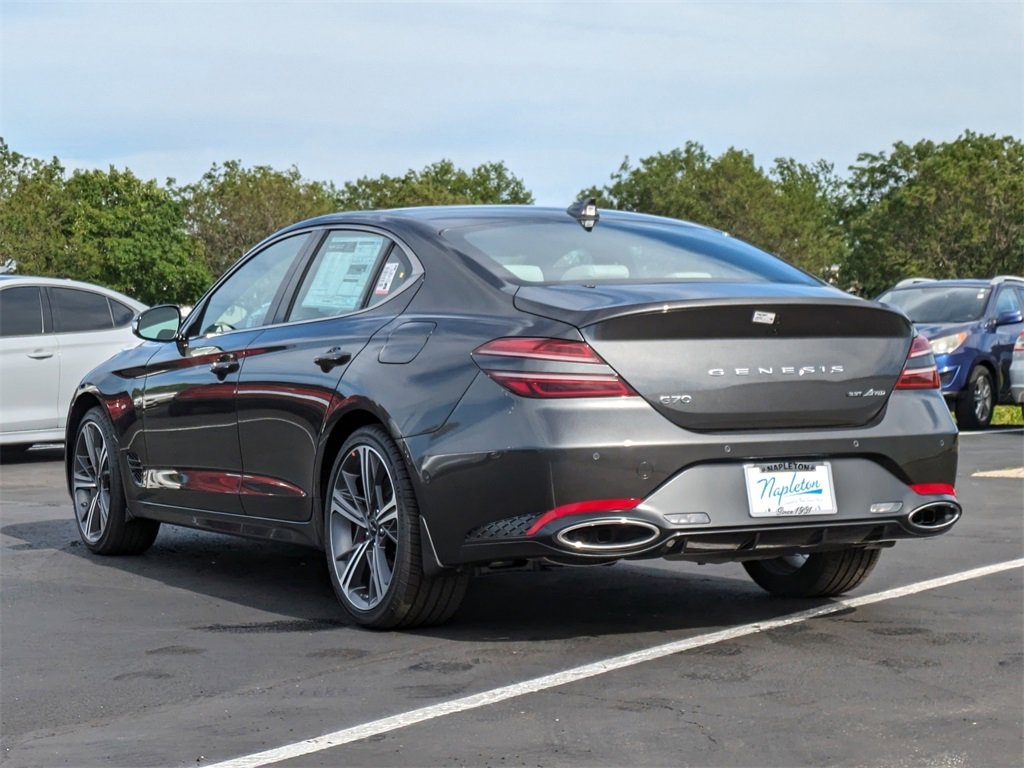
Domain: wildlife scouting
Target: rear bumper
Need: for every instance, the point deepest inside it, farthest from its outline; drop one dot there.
(502, 461)
(874, 509)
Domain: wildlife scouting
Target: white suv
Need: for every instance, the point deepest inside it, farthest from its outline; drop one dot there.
(53, 332)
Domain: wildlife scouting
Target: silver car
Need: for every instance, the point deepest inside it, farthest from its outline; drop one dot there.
(1017, 372)
(52, 332)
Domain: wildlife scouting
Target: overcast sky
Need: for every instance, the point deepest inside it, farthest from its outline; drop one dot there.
(561, 92)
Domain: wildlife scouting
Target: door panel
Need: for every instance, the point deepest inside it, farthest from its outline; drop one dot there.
(283, 399)
(30, 373)
(192, 458)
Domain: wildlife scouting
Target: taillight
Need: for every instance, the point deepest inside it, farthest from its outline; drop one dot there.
(919, 372)
(558, 350)
(548, 368)
(1019, 346)
(934, 489)
(582, 508)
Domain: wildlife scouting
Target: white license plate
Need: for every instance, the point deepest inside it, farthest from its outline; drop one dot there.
(790, 488)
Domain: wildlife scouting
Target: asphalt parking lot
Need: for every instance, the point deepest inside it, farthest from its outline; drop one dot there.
(212, 650)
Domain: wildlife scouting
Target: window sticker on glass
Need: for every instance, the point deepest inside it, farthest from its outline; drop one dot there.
(387, 276)
(343, 269)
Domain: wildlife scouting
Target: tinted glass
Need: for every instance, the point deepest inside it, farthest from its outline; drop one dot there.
(122, 313)
(564, 252)
(78, 311)
(1007, 300)
(244, 299)
(21, 311)
(397, 269)
(337, 279)
(943, 304)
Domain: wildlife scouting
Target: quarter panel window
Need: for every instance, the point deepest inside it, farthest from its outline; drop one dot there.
(1007, 301)
(21, 311)
(122, 314)
(397, 270)
(338, 278)
(80, 311)
(245, 298)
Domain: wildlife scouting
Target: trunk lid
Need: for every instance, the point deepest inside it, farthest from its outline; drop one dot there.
(715, 357)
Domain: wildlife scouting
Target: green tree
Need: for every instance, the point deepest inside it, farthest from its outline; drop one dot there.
(129, 234)
(232, 208)
(32, 210)
(791, 210)
(936, 210)
(104, 227)
(438, 184)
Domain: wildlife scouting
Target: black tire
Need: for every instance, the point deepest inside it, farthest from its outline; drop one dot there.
(819, 574)
(374, 557)
(101, 511)
(976, 403)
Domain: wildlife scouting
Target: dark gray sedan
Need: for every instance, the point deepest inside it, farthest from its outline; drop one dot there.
(429, 393)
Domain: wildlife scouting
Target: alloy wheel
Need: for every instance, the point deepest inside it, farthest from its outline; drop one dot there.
(91, 482)
(983, 399)
(363, 527)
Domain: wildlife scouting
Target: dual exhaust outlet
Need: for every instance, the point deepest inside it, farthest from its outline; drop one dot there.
(611, 535)
(934, 517)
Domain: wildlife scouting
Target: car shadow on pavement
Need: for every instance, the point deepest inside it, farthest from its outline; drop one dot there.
(291, 582)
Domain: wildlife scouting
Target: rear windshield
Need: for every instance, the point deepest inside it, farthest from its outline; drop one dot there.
(939, 304)
(617, 251)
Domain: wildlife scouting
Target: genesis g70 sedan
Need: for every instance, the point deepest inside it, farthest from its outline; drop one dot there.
(424, 393)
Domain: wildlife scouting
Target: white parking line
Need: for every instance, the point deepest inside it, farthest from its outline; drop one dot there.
(495, 695)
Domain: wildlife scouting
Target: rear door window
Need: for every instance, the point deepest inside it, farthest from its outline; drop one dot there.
(78, 311)
(21, 311)
(339, 278)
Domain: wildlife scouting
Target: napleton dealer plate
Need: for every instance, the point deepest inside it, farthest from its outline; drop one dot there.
(790, 489)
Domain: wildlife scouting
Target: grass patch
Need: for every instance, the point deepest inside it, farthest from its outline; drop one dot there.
(1007, 415)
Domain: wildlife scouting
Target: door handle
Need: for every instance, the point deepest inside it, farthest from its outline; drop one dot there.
(40, 354)
(332, 357)
(224, 365)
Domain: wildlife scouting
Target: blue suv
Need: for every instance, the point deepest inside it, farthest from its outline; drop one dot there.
(972, 326)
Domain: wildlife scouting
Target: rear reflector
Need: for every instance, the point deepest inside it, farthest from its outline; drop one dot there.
(920, 371)
(582, 508)
(934, 489)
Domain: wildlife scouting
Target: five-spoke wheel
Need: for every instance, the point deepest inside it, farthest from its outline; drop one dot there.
(90, 482)
(372, 539)
(101, 510)
(976, 404)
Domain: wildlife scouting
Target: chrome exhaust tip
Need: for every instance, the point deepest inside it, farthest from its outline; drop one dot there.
(608, 535)
(934, 517)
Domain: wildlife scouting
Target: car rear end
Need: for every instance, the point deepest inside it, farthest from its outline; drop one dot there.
(705, 402)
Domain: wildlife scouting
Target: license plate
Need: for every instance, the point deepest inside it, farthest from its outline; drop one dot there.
(790, 488)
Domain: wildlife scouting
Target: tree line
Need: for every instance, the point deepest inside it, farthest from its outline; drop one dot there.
(953, 209)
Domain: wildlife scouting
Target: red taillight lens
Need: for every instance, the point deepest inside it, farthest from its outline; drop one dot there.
(531, 384)
(547, 379)
(582, 508)
(557, 350)
(919, 372)
(1019, 346)
(934, 489)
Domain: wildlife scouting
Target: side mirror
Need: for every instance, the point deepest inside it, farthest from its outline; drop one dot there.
(1009, 317)
(158, 323)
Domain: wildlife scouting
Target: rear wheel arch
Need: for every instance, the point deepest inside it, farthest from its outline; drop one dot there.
(339, 432)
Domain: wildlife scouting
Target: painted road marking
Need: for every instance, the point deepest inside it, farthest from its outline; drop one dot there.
(1016, 472)
(546, 682)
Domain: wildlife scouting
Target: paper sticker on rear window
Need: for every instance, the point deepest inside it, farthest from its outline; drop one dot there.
(387, 276)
